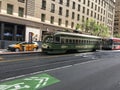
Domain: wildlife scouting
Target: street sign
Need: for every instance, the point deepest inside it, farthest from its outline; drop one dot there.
(34, 82)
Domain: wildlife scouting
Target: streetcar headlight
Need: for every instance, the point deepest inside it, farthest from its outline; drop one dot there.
(45, 46)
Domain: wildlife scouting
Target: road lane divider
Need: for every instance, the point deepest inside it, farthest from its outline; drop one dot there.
(23, 59)
(30, 58)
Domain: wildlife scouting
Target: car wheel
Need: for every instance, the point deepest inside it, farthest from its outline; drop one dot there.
(17, 50)
(35, 49)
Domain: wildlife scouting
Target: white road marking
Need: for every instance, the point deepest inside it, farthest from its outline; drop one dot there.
(84, 54)
(16, 86)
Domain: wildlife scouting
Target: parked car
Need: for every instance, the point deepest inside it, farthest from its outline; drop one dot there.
(23, 46)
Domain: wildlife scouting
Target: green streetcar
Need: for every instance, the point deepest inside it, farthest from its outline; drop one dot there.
(62, 42)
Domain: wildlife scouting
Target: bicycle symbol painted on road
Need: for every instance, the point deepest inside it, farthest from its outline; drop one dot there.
(17, 86)
(31, 83)
(42, 81)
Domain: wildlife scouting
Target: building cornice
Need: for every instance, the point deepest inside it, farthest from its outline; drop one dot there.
(26, 22)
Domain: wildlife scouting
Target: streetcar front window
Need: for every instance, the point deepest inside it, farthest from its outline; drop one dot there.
(48, 40)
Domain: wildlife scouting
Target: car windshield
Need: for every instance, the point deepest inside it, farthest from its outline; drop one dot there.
(23, 43)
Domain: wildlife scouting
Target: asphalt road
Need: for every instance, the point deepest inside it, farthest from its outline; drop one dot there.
(102, 74)
(14, 65)
(91, 71)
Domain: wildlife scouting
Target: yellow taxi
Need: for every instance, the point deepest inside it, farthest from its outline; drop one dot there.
(23, 46)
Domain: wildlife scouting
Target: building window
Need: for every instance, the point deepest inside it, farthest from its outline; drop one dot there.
(78, 7)
(59, 21)
(9, 9)
(73, 15)
(12, 32)
(96, 1)
(52, 20)
(83, 9)
(91, 13)
(60, 1)
(87, 11)
(43, 4)
(21, 12)
(104, 12)
(102, 3)
(52, 8)
(98, 16)
(60, 10)
(88, 3)
(72, 25)
(20, 34)
(84, 1)
(68, 3)
(22, 1)
(66, 23)
(101, 10)
(95, 7)
(99, 2)
(98, 9)
(87, 19)
(94, 15)
(83, 18)
(8, 31)
(101, 18)
(92, 5)
(43, 17)
(67, 13)
(73, 6)
(78, 17)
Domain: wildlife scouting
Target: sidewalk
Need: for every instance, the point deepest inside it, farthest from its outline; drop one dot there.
(3, 50)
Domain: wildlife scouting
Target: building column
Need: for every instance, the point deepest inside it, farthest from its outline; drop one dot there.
(2, 30)
(15, 32)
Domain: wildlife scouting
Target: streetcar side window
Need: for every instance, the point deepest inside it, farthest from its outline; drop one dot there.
(67, 41)
(57, 39)
(73, 41)
(62, 40)
(70, 41)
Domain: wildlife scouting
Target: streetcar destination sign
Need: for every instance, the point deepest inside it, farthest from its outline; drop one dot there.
(34, 82)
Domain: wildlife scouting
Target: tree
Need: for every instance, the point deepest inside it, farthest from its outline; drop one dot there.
(91, 27)
(78, 28)
(95, 30)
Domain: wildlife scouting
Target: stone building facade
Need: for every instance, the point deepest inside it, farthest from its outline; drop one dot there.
(117, 18)
(20, 17)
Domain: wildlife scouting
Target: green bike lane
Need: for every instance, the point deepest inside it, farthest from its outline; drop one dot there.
(33, 82)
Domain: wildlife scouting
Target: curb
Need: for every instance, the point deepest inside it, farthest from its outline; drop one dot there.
(17, 53)
(1, 58)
